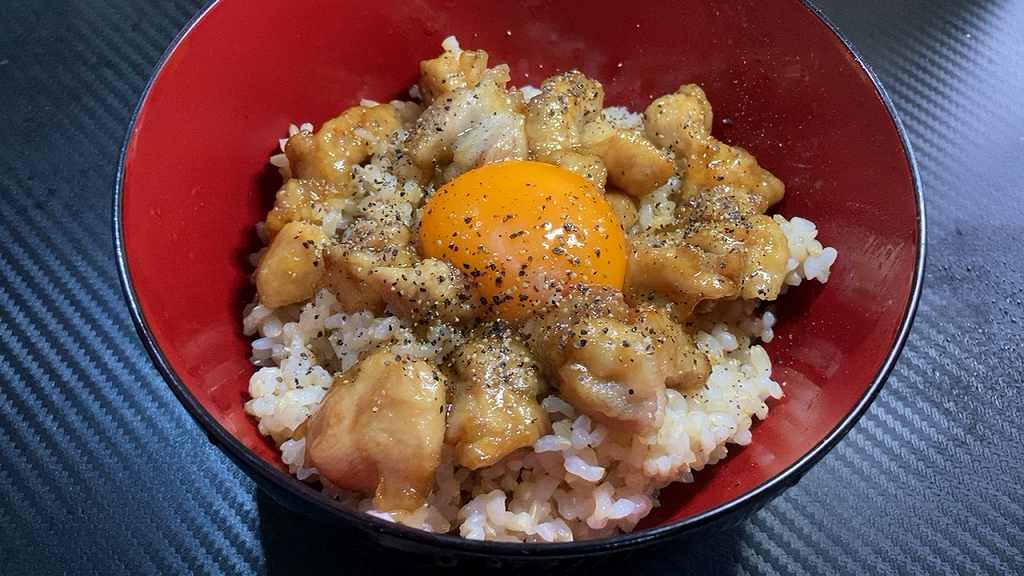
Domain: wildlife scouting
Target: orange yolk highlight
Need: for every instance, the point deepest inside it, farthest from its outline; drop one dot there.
(524, 231)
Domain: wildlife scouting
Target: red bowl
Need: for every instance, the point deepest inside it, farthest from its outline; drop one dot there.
(194, 180)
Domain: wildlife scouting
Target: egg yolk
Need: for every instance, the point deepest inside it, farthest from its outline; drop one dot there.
(524, 232)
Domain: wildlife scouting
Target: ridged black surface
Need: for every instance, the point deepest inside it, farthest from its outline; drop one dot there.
(102, 471)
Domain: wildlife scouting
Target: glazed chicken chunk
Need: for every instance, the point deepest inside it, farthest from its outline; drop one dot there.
(726, 221)
(303, 200)
(346, 274)
(430, 290)
(764, 263)
(624, 208)
(634, 164)
(610, 372)
(708, 260)
(342, 143)
(616, 371)
(555, 119)
(612, 363)
(322, 162)
(470, 127)
(550, 332)
(368, 244)
(719, 245)
(732, 165)
(564, 127)
(453, 70)
(380, 430)
(584, 164)
(681, 122)
(290, 270)
(661, 266)
(494, 404)
(684, 366)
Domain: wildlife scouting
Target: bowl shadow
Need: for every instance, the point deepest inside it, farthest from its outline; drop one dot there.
(295, 544)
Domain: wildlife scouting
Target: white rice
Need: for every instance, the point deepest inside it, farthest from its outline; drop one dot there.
(279, 160)
(621, 117)
(582, 480)
(529, 92)
(657, 209)
(451, 44)
(807, 257)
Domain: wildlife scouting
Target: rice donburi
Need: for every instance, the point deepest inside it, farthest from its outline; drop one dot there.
(513, 313)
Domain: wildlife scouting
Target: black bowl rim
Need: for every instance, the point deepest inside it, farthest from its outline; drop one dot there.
(265, 474)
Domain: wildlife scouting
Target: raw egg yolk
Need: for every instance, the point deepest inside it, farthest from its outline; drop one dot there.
(524, 232)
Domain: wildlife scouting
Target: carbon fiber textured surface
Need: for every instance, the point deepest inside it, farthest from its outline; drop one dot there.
(102, 471)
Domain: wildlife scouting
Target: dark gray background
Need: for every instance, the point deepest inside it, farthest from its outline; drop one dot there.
(101, 470)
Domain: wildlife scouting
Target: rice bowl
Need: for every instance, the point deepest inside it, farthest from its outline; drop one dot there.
(579, 480)
(834, 344)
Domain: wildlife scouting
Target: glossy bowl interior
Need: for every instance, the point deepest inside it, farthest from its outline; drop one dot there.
(195, 180)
